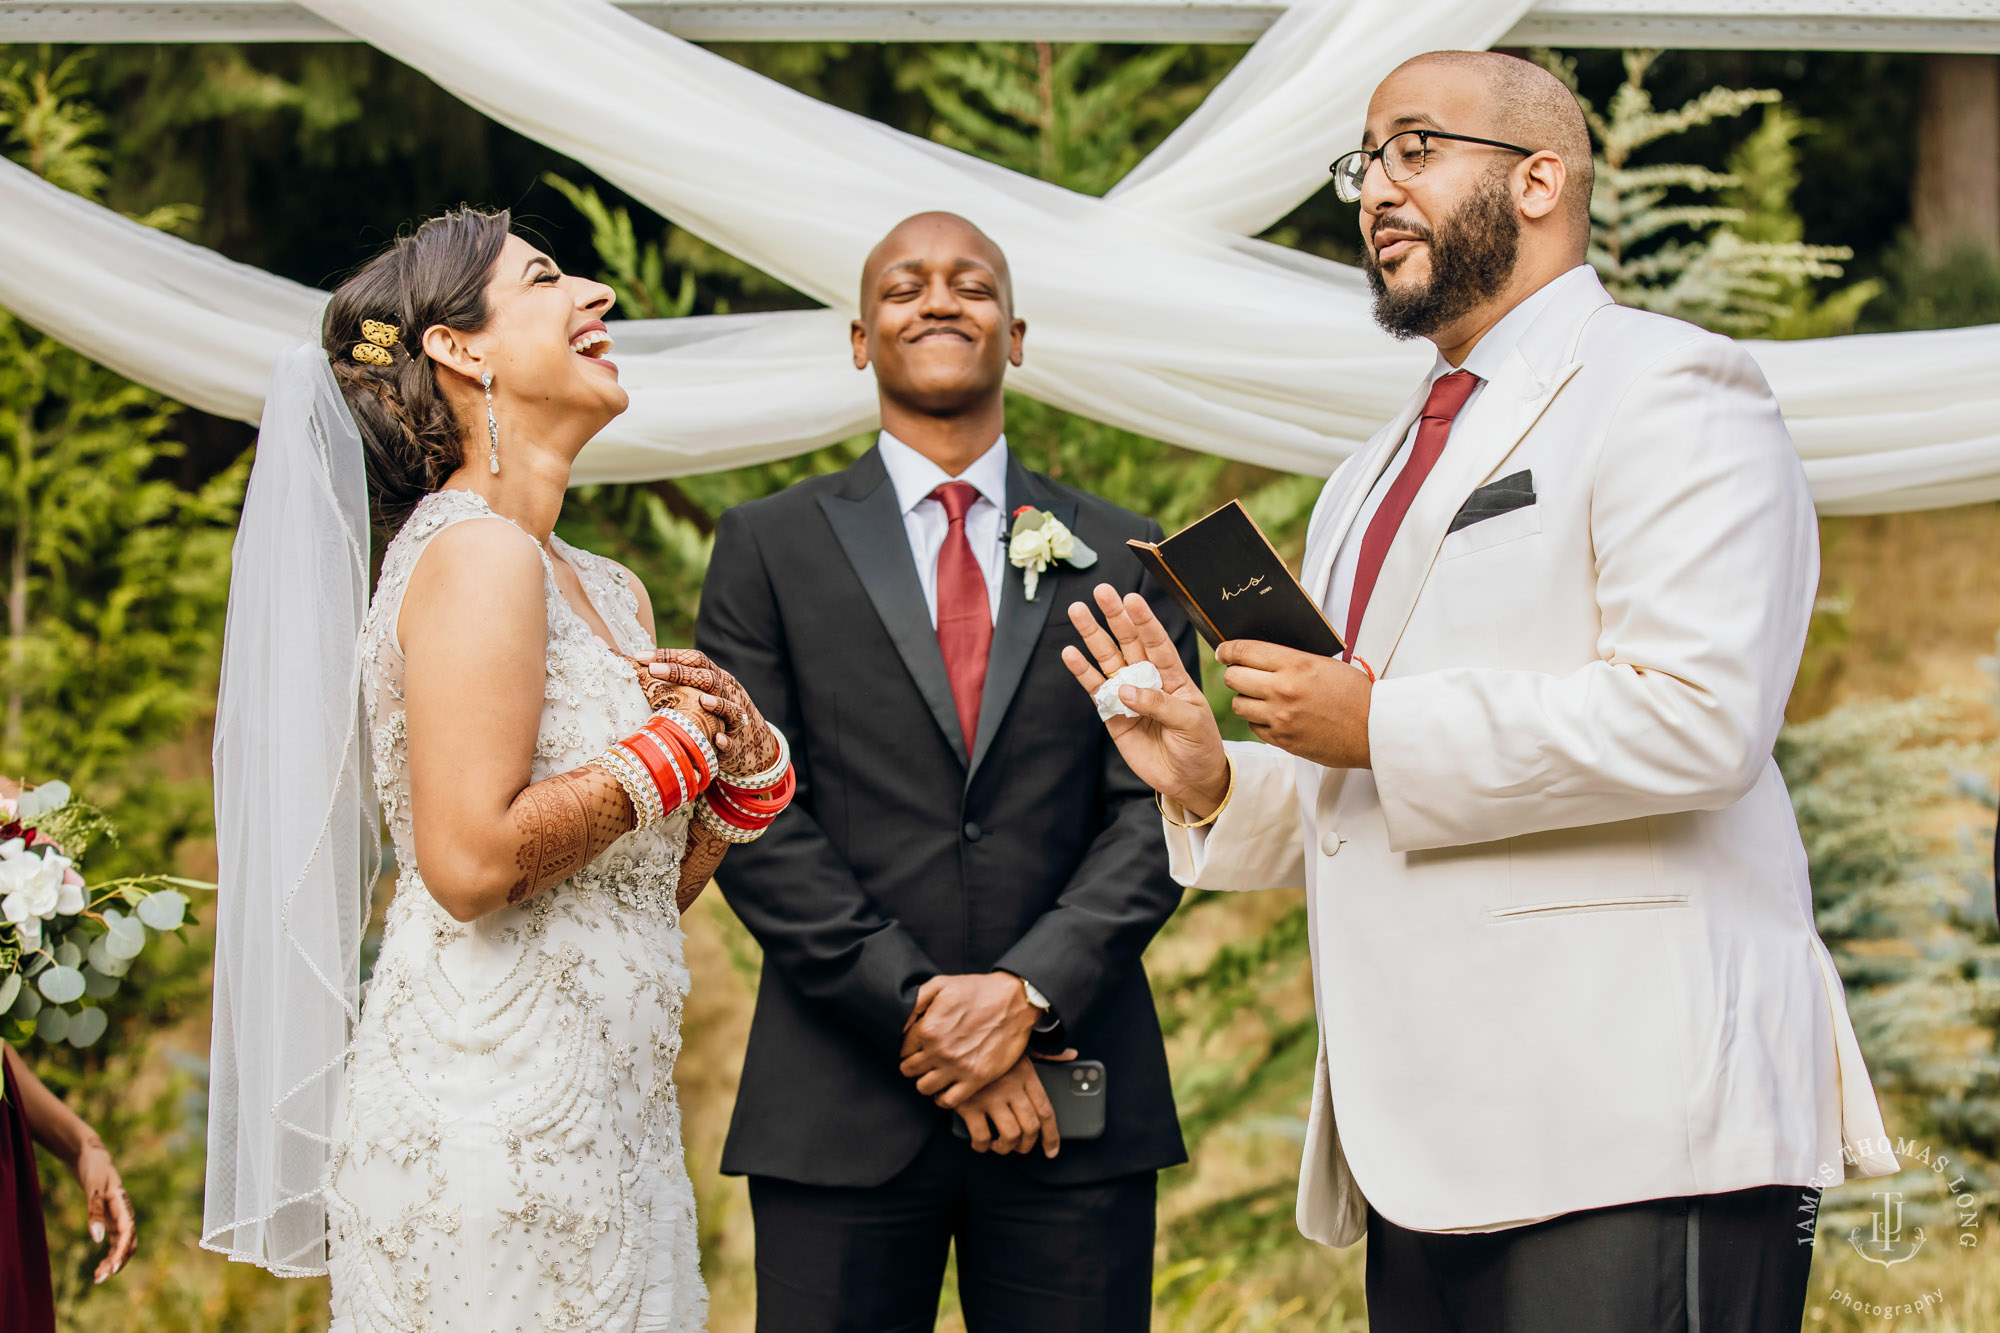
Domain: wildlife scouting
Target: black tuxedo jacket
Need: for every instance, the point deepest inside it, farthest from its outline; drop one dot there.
(903, 857)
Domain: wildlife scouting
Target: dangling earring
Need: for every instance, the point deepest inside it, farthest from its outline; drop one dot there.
(492, 426)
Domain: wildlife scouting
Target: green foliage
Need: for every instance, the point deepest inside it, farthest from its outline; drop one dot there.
(636, 271)
(116, 583)
(1737, 265)
(116, 577)
(1072, 113)
(1906, 907)
(1922, 289)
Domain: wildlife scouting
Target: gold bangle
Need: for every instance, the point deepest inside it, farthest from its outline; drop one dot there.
(1214, 814)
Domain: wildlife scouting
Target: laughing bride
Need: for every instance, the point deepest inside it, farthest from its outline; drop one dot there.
(498, 1134)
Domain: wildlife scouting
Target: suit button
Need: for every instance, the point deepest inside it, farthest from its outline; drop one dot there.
(1329, 843)
(973, 832)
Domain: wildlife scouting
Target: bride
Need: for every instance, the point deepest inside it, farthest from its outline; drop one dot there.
(499, 1139)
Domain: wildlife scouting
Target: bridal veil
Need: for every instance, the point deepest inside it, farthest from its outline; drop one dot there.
(296, 827)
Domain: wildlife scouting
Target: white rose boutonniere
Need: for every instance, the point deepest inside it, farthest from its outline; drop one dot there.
(1038, 541)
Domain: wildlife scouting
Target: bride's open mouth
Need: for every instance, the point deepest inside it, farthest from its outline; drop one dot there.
(593, 343)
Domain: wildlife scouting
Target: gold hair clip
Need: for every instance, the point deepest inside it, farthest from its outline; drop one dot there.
(381, 337)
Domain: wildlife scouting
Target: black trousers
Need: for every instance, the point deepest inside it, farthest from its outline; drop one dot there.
(1032, 1258)
(1708, 1263)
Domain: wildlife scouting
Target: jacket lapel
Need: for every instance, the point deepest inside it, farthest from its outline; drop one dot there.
(1316, 570)
(868, 523)
(1019, 627)
(1534, 372)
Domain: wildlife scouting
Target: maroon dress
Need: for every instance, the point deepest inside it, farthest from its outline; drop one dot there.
(26, 1302)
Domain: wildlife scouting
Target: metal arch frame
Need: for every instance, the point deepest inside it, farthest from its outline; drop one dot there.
(1795, 25)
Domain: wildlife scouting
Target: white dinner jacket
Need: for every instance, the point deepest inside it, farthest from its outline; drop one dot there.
(1562, 936)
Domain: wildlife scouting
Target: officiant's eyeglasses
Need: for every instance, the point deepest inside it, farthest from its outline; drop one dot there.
(1402, 156)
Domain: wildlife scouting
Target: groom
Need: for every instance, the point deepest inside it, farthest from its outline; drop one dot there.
(968, 870)
(1583, 1059)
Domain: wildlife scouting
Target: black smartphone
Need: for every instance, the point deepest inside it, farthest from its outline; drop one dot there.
(1076, 1090)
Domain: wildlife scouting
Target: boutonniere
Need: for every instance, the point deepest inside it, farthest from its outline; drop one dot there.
(1039, 540)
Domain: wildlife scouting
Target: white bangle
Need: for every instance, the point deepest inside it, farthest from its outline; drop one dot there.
(636, 783)
(771, 776)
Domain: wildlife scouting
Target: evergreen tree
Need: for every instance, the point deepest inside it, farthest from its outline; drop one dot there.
(116, 584)
(1738, 265)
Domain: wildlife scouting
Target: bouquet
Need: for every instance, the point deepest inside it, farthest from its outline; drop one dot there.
(66, 943)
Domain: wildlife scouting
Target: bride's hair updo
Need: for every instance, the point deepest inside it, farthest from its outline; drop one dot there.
(436, 274)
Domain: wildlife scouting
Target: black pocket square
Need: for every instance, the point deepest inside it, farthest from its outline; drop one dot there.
(1494, 499)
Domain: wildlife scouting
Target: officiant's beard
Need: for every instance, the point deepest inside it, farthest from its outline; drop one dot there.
(1472, 254)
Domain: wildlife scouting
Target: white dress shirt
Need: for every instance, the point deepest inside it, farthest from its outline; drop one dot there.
(1485, 358)
(925, 522)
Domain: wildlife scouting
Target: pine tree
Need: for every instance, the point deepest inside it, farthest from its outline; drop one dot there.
(1737, 265)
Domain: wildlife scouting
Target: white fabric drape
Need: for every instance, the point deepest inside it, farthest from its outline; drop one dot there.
(1144, 310)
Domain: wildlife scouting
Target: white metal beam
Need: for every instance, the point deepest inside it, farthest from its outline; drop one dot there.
(1797, 25)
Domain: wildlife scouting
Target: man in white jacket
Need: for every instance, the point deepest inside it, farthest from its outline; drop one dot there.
(1584, 1060)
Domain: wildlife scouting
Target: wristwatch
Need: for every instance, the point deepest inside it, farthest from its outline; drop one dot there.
(1040, 1001)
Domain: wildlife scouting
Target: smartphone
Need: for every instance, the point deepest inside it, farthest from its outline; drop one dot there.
(1076, 1090)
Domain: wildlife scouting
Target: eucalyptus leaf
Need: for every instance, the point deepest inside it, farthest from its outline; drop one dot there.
(99, 985)
(86, 1025)
(61, 985)
(53, 1024)
(27, 1004)
(126, 939)
(1081, 555)
(68, 954)
(164, 910)
(102, 959)
(1029, 520)
(10, 990)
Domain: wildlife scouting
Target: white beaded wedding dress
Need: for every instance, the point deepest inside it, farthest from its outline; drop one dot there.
(508, 1156)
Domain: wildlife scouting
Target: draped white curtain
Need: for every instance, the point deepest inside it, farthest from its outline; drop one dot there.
(1148, 309)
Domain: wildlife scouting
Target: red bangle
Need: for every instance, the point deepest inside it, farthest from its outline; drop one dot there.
(669, 732)
(776, 793)
(768, 802)
(667, 772)
(730, 815)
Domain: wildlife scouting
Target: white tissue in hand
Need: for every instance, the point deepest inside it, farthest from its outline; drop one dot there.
(1140, 676)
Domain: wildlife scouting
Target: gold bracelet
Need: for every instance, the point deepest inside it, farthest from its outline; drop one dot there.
(1214, 814)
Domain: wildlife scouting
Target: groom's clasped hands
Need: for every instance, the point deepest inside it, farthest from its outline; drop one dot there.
(966, 1045)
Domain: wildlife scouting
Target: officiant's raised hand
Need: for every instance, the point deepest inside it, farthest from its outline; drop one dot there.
(1173, 744)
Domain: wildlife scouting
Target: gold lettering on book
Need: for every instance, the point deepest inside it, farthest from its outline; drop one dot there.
(1226, 594)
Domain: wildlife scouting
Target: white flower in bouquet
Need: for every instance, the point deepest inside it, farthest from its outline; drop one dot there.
(36, 888)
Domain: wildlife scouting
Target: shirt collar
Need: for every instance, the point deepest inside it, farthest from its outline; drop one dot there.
(1492, 351)
(915, 476)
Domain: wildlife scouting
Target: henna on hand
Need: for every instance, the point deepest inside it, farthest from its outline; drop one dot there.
(563, 823)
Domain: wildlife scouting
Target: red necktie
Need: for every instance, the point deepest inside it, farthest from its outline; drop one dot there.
(964, 618)
(1448, 395)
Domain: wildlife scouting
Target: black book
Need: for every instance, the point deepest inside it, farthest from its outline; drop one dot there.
(1230, 580)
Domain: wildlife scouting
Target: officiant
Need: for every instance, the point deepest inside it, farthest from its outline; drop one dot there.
(968, 868)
